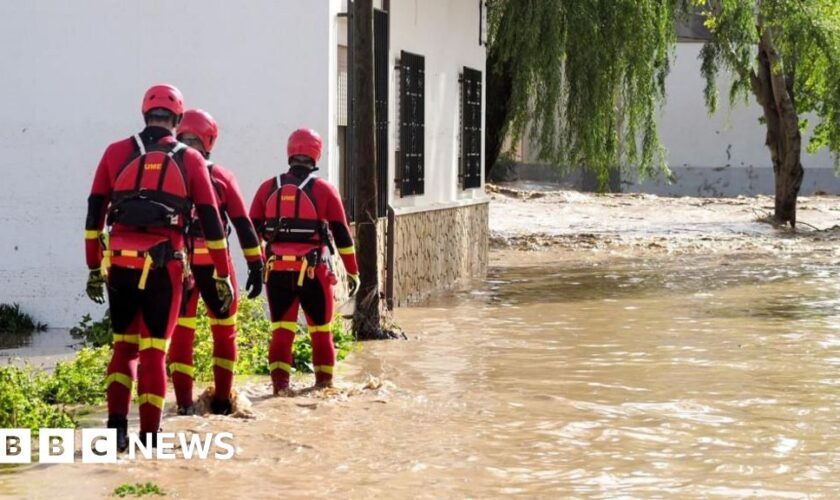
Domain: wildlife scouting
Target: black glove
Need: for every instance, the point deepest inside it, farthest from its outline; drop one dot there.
(95, 286)
(254, 285)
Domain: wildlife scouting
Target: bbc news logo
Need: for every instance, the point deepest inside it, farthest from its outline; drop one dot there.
(99, 446)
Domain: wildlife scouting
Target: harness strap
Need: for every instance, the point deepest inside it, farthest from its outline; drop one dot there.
(140, 144)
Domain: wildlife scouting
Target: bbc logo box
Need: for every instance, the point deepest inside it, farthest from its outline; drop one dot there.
(58, 446)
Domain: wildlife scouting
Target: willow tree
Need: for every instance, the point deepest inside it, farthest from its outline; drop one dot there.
(586, 76)
(786, 53)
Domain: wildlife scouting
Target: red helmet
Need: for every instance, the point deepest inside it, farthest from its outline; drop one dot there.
(164, 96)
(305, 142)
(199, 123)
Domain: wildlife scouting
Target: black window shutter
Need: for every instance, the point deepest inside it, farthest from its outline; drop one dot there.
(412, 123)
(471, 128)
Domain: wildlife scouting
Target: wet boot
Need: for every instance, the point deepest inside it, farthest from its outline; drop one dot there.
(221, 407)
(149, 439)
(186, 411)
(120, 423)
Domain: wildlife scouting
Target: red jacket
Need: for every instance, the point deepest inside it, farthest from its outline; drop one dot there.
(199, 188)
(330, 209)
(232, 209)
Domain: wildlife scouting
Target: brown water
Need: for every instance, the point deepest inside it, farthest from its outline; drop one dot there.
(668, 378)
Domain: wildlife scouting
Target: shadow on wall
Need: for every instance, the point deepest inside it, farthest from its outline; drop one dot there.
(687, 181)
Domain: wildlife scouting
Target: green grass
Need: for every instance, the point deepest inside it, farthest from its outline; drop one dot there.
(32, 398)
(138, 490)
(13, 320)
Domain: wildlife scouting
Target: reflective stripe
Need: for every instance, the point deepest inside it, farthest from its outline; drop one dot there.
(128, 339)
(252, 252)
(292, 326)
(91, 234)
(120, 378)
(279, 365)
(201, 251)
(149, 343)
(183, 368)
(152, 399)
(291, 258)
(147, 264)
(319, 328)
(216, 244)
(227, 364)
(324, 369)
(224, 321)
(347, 250)
(187, 322)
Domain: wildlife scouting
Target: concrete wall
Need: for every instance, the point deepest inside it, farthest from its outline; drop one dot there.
(446, 32)
(72, 81)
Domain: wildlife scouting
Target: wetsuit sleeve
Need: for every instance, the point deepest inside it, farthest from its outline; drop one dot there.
(241, 223)
(257, 212)
(337, 218)
(100, 194)
(206, 208)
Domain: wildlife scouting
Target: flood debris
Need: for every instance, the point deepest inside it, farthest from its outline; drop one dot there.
(241, 405)
(632, 225)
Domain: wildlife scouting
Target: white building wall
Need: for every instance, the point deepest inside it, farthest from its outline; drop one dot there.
(446, 32)
(72, 81)
(731, 137)
(722, 154)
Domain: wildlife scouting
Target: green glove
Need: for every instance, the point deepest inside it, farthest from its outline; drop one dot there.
(95, 286)
(353, 284)
(224, 289)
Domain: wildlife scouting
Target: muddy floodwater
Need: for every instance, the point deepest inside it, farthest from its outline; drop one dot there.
(595, 372)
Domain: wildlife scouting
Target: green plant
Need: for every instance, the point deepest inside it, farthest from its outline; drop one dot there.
(21, 405)
(80, 380)
(93, 333)
(138, 489)
(13, 320)
(253, 339)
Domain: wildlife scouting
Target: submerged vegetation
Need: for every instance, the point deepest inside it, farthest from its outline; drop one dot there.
(138, 490)
(13, 320)
(33, 398)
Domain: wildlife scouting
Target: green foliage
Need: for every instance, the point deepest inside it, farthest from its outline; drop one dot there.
(806, 37)
(21, 405)
(253, 338)
(138, 490)
(13, 320)
(80, 380)
(93, 333)
(587, 76)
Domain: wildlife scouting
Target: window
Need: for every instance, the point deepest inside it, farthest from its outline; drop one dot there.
(412, 123)
(471, 128)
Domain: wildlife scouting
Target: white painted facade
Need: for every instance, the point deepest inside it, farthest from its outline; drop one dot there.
(74, 74)
(713, 154)
(732, 136)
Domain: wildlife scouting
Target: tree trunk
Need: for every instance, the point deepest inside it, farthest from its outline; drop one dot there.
(366, 319)
(772, 90)
(499, 81)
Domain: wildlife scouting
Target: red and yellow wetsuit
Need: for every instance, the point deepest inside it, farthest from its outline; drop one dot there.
(222, 323)
(144, 301)
(286, 289)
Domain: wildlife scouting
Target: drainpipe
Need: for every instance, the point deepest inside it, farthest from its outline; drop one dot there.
(390, 257)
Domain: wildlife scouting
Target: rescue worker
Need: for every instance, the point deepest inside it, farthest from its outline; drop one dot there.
(146, 187)
(295, 213)
(199, 131)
